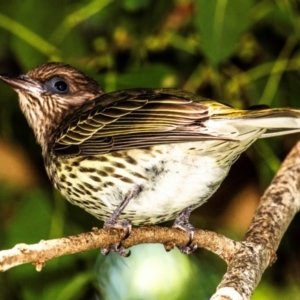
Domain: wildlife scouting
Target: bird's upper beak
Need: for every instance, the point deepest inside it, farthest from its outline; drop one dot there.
(22, 82)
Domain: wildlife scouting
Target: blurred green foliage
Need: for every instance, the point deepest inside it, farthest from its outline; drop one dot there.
(239, 52)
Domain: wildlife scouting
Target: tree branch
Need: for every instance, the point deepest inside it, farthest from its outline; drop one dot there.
(277, 208)
(39, 254)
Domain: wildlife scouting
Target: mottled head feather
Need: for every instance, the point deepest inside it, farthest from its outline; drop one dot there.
(45, 108)
(76, 80)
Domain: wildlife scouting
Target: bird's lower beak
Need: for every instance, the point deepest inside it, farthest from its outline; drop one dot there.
(22, 82)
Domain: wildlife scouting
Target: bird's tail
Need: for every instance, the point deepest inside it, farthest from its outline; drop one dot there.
(275, 121)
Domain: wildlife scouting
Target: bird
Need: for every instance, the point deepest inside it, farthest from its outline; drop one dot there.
(137, 156)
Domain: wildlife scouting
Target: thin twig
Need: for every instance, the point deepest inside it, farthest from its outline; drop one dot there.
(39, 254)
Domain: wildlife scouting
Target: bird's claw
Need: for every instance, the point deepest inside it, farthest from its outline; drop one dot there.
(117, 248)
(182, 222)
(189, 247)
(126, 226)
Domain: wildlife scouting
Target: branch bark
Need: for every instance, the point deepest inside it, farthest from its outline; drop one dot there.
(247, 260)
(39, 254)
(277, 208)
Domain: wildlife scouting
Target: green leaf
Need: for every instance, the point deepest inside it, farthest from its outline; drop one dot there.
(148, 76)
(78, 16)
(221, 23)
(32, 222)
(75, 286)
(28, 37)
(133, 5)
(282, 19)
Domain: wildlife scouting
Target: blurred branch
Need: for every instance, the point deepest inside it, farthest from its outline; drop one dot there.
(265, 150)
(29, 37)
(278, 69)
(77, 17)
(265, 69)
(247, 260)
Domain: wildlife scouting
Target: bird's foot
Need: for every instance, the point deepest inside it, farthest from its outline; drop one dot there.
(126, 226)
(189, 247)
(182, 222)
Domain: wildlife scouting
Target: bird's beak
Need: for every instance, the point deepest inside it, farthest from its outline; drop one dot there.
(22, 82)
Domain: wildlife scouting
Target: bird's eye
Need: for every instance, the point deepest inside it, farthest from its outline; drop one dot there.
(57, 85)
(61, 86)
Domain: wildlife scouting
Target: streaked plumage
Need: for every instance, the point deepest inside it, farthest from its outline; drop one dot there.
(167, 148)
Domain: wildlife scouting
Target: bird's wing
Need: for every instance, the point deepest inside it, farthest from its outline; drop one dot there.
(138, 118)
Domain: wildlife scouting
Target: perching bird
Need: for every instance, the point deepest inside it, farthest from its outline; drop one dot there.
(137, 156)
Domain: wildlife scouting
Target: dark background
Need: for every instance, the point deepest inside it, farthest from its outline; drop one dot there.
(239, 52)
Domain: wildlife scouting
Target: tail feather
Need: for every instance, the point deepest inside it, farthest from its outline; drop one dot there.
(270, 133)
(276, 121)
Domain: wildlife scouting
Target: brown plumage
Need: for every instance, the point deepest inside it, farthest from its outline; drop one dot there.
(137, 156)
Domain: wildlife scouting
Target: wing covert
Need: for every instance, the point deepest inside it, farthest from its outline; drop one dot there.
(132, 119)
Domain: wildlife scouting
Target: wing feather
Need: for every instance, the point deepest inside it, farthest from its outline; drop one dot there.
(132, 119)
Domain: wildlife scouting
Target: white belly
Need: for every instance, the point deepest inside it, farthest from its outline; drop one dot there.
(182, 180)
(168, 178)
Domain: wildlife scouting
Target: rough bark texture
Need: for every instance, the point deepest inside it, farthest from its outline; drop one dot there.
(39, 254)
(277, 208)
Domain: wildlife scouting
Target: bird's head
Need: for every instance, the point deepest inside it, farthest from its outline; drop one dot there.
(51, 92)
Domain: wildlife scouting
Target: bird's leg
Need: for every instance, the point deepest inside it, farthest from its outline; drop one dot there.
(182, 222)
(113, 222)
